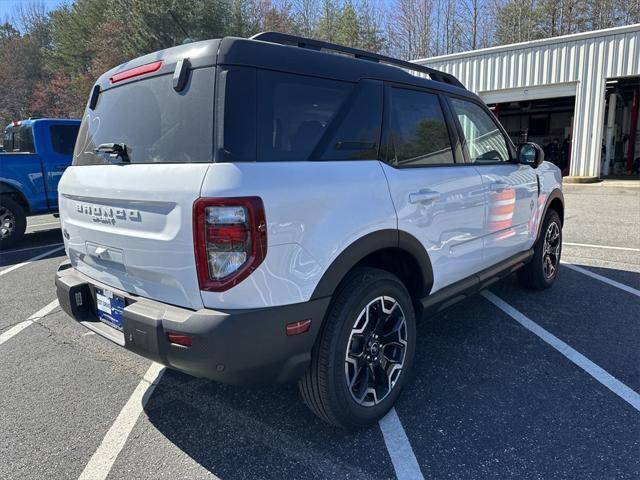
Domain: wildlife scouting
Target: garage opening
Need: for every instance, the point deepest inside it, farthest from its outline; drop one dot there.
(547, 122)
(621, 142)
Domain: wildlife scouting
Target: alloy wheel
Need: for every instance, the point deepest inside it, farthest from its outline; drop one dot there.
(7, 222)
(551, 250)
(376, 351)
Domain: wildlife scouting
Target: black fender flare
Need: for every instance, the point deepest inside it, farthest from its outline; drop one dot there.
(555, 194)
(368, 244)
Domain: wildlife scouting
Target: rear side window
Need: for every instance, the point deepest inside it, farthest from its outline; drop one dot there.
(418, 130)
(293, 113)
(19, 139)
(156, 123)
(63, 138)
(484, 141)
(356, 132)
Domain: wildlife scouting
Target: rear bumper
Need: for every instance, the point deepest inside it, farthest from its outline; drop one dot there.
(231, 346)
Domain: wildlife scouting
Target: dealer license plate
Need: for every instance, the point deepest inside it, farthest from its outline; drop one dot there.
(110, 308)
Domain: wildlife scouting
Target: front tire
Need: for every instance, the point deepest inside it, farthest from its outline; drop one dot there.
(542, 270)
(364, 353)
(13, 222)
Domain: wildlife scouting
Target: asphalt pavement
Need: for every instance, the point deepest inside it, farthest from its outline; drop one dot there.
(542, 388)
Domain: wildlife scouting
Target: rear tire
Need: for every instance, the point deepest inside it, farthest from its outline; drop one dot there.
(542, 270)
(13, 222)
(363, 355)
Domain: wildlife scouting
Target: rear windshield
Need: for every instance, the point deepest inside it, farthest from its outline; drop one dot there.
(18, 139)
(154, 122)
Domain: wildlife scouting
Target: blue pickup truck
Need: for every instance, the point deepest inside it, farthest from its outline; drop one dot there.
(33, 157)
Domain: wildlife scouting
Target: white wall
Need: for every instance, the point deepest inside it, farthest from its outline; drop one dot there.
(542, 68)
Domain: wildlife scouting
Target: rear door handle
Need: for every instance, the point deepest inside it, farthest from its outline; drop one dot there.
(498, 186)
(424, 196)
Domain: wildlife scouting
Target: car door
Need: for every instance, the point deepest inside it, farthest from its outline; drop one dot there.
(510, 188)
(438, 201)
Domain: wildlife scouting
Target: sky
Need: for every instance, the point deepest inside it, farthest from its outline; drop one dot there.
(8, 7)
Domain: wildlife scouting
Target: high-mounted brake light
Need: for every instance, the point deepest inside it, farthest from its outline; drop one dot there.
(230, 240)
(16, 123)
(136, 72)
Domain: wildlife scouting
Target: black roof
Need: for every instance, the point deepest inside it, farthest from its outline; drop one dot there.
(293, 54)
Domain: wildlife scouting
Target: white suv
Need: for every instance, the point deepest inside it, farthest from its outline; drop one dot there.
(265, 210)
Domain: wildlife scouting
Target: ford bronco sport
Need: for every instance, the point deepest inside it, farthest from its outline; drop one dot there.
(277, 208)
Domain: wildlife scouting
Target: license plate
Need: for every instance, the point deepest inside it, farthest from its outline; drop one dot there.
(110, 308)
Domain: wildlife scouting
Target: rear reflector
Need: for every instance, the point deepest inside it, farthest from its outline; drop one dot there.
(179, 339)
(136, 72)
(296, 328)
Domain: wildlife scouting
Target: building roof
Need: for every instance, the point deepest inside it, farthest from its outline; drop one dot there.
(533, 43)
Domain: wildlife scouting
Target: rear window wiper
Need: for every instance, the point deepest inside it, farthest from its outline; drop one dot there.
(114, 150)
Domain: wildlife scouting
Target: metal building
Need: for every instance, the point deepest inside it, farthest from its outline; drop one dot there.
(582, 89)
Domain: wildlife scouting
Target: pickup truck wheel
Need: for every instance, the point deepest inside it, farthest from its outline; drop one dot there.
(542, 270)
(364, 353)
(13, 222)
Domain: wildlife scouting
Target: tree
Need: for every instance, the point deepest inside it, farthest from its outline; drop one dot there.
(306, 14)
(371, 36)
(515, 22)
(326, 28)
(410, 30)
(347, 26)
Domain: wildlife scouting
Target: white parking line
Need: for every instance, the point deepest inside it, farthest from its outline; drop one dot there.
(613, 283)
(43, 224)
(102, 460)
(605, 378)
(402, 456)
(39, 247)
(33, 259)
(16, 329)
(606, 247)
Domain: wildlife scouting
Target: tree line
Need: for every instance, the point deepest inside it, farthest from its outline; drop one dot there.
(51, 58)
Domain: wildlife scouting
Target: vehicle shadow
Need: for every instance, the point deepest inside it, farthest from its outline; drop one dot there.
(262, 432)
(486, 399)
(32, 244)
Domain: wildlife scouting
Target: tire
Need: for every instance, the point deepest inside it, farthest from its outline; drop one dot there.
(13, 222)
(542, 270)
(324, 387)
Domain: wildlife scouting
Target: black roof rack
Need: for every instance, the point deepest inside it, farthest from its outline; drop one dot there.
(285, 39)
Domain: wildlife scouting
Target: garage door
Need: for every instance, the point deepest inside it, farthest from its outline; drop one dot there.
(530, 93)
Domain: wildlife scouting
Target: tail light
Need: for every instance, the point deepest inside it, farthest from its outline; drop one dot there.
(230, 239)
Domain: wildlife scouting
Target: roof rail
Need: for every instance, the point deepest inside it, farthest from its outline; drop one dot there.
(285, 39)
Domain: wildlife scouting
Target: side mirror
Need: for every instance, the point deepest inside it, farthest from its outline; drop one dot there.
(530, 154)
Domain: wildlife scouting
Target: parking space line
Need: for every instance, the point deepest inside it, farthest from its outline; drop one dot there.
(39, 247)
(605, 378)
(16, 329)
(606, 247)
(104, 457)
(33, 259)
(43, 224)
(402, 456)
(613, 283)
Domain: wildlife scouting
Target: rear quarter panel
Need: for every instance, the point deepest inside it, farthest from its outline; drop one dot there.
(314, 210)
(23, 173)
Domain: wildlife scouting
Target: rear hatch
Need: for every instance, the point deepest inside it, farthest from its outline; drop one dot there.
(144, 146)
